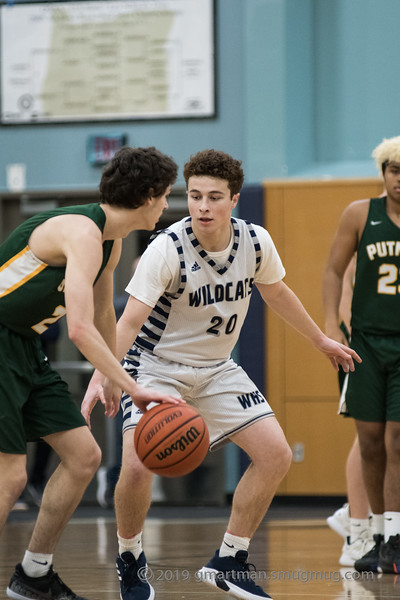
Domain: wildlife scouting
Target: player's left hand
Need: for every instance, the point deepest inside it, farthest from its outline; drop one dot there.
(112, 398)
(93, 394)
(103, 390)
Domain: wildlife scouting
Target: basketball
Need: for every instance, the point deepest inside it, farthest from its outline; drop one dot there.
(171, 440)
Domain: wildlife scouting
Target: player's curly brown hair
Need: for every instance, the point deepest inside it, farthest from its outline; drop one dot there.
(215, 163)
(135, 174)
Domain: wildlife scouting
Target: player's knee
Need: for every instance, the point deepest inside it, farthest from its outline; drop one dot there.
(12, 483)
(287, 457)
(93, 459)
(372, 448)
(134, 472)
(88, 462)
(282, 458)
(132, 468)
(276, 458)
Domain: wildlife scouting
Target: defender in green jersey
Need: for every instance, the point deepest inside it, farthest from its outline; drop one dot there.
(62, 262)
(371, 230)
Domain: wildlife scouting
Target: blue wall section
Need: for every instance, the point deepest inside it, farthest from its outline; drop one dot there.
(304, 88)
(357, 45)
(263, 88)
(299, 79)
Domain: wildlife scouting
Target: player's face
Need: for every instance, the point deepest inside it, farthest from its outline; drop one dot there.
(155, 208)
(210, 204)
(392, 181)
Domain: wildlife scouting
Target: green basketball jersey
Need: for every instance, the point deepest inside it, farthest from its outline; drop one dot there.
(32, 292)
(376, 297)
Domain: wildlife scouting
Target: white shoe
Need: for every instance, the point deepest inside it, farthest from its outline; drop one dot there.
(357, 549)
(340, 521)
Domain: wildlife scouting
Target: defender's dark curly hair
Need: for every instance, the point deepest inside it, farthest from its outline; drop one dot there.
(135, 174)
(215, 163)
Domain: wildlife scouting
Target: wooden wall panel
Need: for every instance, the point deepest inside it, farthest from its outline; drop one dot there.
(302, 217)
(321, 440)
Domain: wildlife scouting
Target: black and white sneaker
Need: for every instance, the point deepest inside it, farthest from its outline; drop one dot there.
(46, 587)
(232, 574)
(133, 578)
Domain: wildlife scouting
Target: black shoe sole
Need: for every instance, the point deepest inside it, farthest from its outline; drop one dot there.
(389, 568)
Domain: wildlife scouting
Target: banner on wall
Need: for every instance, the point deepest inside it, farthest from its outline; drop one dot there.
(101, 60)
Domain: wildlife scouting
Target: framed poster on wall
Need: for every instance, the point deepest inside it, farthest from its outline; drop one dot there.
(102, 60)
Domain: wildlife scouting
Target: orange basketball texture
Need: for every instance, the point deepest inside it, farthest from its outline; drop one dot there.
(171, 440)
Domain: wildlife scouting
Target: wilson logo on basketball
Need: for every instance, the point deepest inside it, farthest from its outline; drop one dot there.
(180, 445)
(160, 425)
(171, 440)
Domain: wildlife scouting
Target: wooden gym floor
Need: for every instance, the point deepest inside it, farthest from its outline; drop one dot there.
(295, 554)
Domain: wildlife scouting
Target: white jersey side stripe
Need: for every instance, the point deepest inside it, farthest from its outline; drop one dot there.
(162, 309)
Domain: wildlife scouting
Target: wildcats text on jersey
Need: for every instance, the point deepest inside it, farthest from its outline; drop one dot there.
(230, 292)
(383, 249)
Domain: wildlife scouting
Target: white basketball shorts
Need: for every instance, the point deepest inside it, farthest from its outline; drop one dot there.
(223, 394)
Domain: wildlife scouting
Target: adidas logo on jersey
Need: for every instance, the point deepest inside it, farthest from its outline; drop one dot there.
(195, 267)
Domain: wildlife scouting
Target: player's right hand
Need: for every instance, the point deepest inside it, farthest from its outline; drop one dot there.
(142, 396)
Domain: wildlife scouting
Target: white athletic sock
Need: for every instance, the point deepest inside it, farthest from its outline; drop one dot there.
(377, 524)
(133, 544)
(232, 543)
(35, 564)
(357, 527)
(392, 523)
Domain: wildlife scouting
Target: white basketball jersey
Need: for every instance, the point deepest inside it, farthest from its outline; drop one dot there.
(199, 324)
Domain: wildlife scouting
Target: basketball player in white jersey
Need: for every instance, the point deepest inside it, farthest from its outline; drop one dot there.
(188, 299)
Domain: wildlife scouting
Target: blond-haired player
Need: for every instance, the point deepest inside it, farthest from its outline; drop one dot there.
(371, 228)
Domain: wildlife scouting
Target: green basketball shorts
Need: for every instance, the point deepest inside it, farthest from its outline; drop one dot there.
(34, 400)
(373, 389)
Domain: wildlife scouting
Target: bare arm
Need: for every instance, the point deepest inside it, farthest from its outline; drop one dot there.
(103, 294)
(83, 332)
(83, 262)
(284, 302)
(343, 248)
(347, 295)
(76, 242)
(128, 327)
(129, 324)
